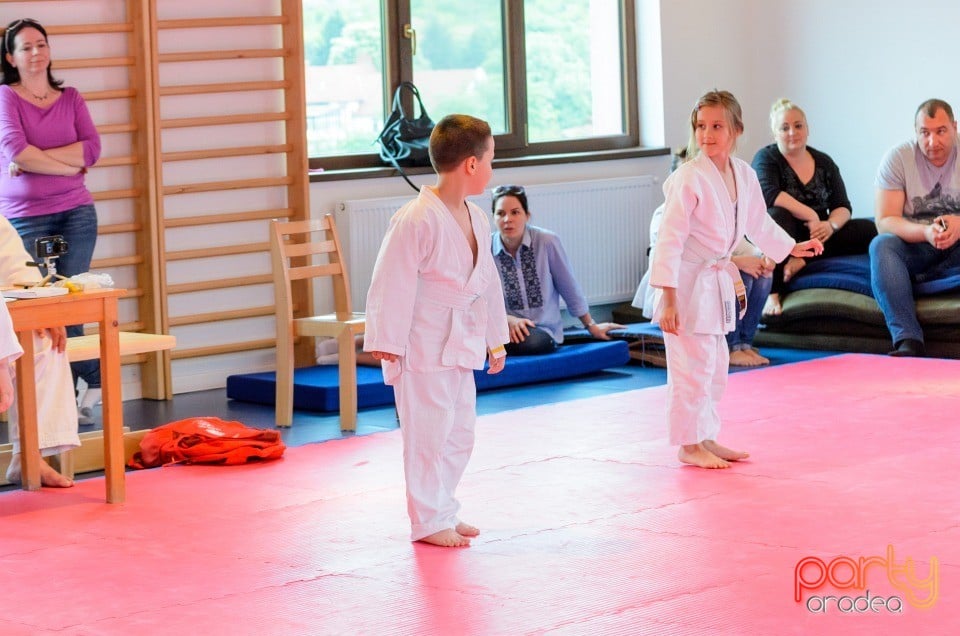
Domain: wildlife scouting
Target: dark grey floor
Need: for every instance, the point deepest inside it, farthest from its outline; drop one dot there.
(319, 427)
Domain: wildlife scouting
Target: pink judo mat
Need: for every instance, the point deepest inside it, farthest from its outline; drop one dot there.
(845, 520)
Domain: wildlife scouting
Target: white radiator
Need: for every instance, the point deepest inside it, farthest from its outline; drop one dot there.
(604, 225)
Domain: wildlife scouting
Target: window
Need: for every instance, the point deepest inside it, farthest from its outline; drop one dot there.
(550, 77)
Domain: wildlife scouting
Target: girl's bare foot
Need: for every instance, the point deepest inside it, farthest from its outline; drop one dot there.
(466, 530)
(723, 452)
(792, 267)
(743, 358)
(772, 307)
(761, 360)
(448, 538)
(697, 455)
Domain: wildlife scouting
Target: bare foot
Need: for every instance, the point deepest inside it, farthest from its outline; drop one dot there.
(51, 478)
(466, 530)
(743, 358)
(448, 538)
(761, 360)
(792, 268)
(772, 307)
(48, 476)
(697, 455)
(723, 452)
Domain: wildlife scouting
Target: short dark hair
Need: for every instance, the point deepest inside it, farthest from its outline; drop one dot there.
(930, 108)
(455, 138)
(10, 73)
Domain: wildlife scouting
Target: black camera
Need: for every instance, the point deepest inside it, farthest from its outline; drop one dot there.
(50, 246)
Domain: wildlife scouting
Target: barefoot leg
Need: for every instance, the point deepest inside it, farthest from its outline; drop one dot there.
(466, 530)
(743, 358)
(723, 452)
(793, 267)
(448, 538)
(48, 476)
(51, 478)
(772, 307)
(761, 360)
(697, 455)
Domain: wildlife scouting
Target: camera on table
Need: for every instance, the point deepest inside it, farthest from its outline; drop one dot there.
(50, 246)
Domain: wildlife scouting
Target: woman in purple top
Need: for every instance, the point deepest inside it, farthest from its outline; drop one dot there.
(47, 142)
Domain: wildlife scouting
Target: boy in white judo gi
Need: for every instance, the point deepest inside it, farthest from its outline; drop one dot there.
(435, 311)
(712, 201)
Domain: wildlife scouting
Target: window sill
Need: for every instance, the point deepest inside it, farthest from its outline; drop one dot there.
(507, 162)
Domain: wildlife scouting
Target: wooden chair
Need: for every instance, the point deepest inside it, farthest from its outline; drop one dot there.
(295, 249)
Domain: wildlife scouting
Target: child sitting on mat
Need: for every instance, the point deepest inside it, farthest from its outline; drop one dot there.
(434, 312)
(712, 201)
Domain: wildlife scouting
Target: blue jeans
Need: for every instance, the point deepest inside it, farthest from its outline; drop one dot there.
(79, 227)
(757, 291)
(894, 266)
(537, 343)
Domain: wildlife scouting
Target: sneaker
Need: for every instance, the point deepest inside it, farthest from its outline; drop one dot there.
(86, 416)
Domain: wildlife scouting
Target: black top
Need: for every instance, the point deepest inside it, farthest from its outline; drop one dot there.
(824, 192)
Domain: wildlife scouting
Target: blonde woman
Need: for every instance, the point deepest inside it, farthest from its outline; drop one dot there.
(805, 195)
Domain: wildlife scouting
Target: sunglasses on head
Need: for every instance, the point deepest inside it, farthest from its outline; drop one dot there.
(14, 27)
(505, 190)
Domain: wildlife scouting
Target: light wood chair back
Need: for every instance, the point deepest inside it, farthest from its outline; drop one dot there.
(301, 252)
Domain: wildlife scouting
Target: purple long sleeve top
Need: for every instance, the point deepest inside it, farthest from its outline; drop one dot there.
(23, 124)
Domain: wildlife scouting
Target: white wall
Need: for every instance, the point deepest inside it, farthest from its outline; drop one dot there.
(859, 68)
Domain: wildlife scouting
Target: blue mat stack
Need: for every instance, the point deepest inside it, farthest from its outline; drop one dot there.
(317, 389)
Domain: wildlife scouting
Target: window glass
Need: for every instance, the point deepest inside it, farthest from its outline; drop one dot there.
(459, 63)
(343, 44)
(573, 69)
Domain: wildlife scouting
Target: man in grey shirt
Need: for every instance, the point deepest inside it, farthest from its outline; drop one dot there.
(918, 218)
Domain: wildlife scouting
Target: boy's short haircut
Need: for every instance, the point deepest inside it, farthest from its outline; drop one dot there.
(455, 138)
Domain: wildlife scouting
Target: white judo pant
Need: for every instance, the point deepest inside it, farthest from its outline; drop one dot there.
(697, 368)
(56, 403)
(437, 417)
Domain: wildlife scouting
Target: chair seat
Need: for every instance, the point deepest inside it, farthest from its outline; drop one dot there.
(328, 325)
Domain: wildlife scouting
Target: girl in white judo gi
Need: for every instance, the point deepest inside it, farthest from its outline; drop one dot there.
(712, 201)
(435, 311)
(56, 403)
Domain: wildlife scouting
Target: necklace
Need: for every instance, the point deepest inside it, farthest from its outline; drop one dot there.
(39, 98)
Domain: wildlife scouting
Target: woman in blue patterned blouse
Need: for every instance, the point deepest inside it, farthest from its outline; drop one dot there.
(535, 274)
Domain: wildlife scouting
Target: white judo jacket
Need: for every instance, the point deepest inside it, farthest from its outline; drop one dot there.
(427, 301)
(698, 234)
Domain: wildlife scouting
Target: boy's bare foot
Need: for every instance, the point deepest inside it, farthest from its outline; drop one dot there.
(743, 358)
(697, 455)
(792, 267)
(772, 307)
(48, 476)
(448, 538)
(761, 360)
(723, 452)
(466, 530)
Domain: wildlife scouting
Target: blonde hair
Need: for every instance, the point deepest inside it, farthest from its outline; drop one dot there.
(781, 107)
(730, 106)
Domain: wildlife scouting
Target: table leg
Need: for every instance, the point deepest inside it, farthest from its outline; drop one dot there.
(27, 414)
(113, 452)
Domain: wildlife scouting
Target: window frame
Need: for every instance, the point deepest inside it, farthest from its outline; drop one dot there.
(511, 146)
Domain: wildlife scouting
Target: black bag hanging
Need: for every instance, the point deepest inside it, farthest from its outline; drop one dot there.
(406, 141)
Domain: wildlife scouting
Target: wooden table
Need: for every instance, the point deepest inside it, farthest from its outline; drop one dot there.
(99, 306)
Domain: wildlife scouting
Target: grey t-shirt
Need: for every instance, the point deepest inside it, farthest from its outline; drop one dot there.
(935, 192)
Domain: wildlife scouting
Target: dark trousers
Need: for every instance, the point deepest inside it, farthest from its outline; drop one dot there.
(853, 238)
